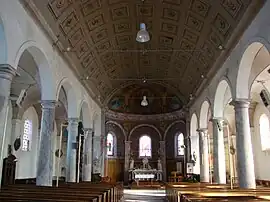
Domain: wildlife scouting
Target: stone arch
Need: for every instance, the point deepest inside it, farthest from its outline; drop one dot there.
(222, 87)
(193, 124)
(242, 80)
(71, 97)
(86, 117)
(145, 125)
(203, 120)
(120, 126)
(47, 81)
(170, 126)
(3, 43)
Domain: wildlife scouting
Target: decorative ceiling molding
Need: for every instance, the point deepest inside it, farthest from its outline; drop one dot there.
(186, 36)
(177, 115)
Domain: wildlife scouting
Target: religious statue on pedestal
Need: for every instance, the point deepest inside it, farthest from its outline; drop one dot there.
(145, 163)
(96, 165)
(159, 166)
(131, 164)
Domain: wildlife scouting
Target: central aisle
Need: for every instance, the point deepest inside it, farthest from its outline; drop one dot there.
(144, 195)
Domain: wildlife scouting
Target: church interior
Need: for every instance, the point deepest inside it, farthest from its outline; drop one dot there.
(143, 100)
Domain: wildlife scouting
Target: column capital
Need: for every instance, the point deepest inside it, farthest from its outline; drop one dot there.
(73, 120)
(202, 130)
(217, 119)
(48, 104)
(89, 130)
(127, 142)
(240, 103)
(7, 71)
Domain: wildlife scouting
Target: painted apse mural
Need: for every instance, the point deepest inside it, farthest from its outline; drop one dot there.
(127, 120)
(160, 100)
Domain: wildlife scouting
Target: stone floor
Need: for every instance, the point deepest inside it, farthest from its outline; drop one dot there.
(144, 195)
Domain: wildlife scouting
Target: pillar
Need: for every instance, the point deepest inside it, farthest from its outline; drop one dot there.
(71, 149)
(103, 142)
(204, 155)
(45, 159)
(219, 151)
(6, 75)
(127, 158)
(245, 162)
(188, 142)
(162, 147)
(97, 155)
(15, 131)
(87, 171)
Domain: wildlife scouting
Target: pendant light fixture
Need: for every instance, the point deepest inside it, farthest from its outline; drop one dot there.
(144, 102)
(142, 35)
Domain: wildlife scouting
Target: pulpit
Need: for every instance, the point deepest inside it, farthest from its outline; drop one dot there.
(9, 169)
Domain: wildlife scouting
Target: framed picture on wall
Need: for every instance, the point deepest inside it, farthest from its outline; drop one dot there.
(189, 168)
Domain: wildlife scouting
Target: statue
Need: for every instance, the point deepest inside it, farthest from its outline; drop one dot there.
(131, 164)
(96, 166)
(145, 164)
(159, 165)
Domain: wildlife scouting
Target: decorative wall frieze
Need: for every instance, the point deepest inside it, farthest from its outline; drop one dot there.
(135, 117)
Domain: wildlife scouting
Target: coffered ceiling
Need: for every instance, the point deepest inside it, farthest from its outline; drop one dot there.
(187, 38)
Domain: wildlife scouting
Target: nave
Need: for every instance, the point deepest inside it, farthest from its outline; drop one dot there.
(144, 195)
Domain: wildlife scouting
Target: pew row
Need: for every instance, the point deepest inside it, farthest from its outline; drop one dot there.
(78, 192)
(188, 192)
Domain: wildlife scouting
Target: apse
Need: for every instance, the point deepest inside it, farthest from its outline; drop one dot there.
(159, 99)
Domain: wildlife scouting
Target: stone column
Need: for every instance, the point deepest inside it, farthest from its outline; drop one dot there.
(72, 149)
(6, 75)
(87, 172)
(188, 143)
(103, 143)
(127, 157)
(15, 131)
(219, 151)
(162, 147)
(45, 159)
(245, 162)
(97, 156)
(204, 155)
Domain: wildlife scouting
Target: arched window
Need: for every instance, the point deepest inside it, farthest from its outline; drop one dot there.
(180, 144)
(110, 144)
(265, 132)
(27, 135)
(145, 146)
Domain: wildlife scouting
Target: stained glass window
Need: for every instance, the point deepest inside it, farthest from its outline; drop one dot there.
(110, 144)
(145, 146)
(180, 144)
(27, 135)
(265, 132)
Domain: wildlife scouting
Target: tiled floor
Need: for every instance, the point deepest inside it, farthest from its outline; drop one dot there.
(142, 195)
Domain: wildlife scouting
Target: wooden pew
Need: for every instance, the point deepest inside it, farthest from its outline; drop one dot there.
(101, 192)
(204, 191)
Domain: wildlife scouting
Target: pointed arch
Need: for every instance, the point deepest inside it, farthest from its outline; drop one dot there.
(86, 114)
(244, 70)
(220, 96)
(72, 97)
(203, 120)
(3, 43)
(47, 80)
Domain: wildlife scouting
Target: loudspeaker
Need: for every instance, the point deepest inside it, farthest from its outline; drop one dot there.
(264, 94)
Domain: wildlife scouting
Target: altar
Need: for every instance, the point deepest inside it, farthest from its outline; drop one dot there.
(145, 175)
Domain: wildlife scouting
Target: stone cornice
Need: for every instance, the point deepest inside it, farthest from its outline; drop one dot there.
(180, 114)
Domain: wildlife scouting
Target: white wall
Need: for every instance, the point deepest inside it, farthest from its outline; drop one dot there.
(195, 147)
(27, 160)
(261, 158)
